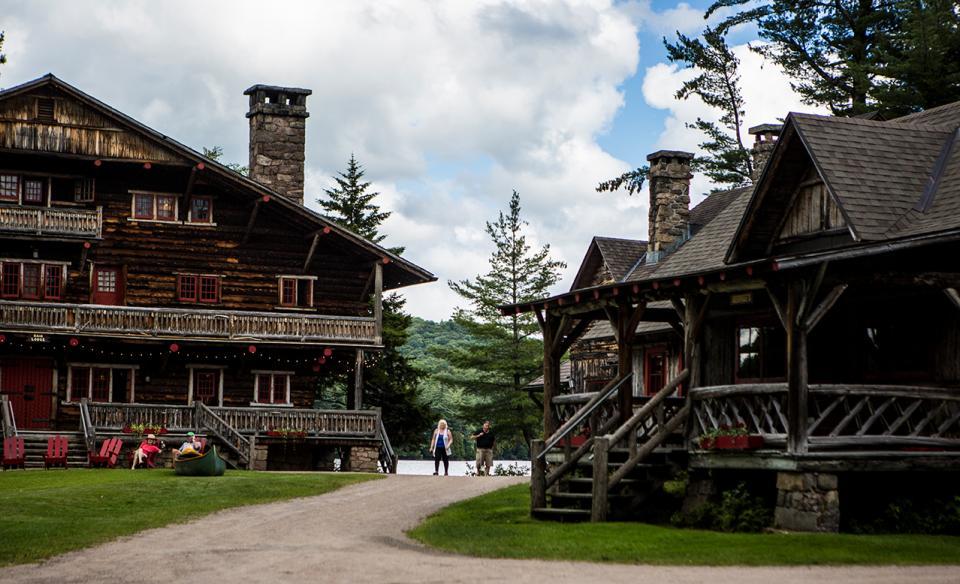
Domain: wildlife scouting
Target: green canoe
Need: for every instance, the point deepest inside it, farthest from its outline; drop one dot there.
(207, 464)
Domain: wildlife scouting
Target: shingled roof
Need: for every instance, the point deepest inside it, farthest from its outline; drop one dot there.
(613, 256)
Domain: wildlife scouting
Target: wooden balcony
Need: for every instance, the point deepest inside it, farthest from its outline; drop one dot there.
(841, 418)
(195, 324)
(53, 221)
(316, 423)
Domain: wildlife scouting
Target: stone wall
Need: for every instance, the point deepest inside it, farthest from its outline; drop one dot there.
(362, 459)
(807, 502)
(669, 198)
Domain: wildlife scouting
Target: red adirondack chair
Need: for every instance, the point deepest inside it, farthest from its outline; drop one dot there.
(56, 452)
(13, 452)
(109, 453)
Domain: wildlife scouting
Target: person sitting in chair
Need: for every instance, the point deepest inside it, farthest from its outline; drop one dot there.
(191, 447)
(146, 452)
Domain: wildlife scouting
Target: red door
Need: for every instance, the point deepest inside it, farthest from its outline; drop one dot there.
(655, 369)
(29, 385)
(107, 285)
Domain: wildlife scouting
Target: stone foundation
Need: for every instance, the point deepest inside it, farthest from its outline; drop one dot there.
(260, 456)
(700, 491)
(362, 459)
(807, 502)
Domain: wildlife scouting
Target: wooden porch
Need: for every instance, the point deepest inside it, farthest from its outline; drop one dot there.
(187, 323)
(53, 221)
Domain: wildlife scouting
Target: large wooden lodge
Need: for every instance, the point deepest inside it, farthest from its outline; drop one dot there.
(143, 283)
(816, 311)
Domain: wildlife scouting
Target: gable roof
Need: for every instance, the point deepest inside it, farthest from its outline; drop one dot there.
(614, 255)
(398, 272)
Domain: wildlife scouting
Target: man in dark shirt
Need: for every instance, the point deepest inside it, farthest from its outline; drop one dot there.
(485, 441)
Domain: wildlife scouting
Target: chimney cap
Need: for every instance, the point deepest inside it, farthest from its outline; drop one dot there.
(765, 128)
(277, 89)
(669, 154)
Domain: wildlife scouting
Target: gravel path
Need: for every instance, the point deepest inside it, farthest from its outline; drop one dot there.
(356, 534)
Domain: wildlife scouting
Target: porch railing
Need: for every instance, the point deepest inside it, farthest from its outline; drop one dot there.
(839, 416)
(359, 423)
(52, 221)
(176, 323)
(8, 419)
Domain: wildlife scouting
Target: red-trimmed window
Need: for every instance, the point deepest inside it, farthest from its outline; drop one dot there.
(33, 191)
(296, 292)
(209, 289)
(52, 282)
(31, 288)
(166, 208)
(201, 210)
(9, 187)
(205, 385)
(272, 388)
(79, 383)
(186, 288)
(10, 283)
(142, 206)
(100, 386)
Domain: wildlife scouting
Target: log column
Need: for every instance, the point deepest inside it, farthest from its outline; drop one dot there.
(357, 402)
(797, 383)
(550, 325)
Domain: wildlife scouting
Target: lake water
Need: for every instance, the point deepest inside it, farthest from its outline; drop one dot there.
(457, 467)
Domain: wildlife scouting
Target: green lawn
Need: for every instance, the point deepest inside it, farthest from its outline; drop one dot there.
(45, 513)
(498, 525)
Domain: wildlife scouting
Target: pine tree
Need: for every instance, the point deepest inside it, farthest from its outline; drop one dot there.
(390, 379)
(216, 153)
(728, 162)
(350, 205)
(504, 353)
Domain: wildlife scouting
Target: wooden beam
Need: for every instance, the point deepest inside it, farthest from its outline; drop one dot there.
(678, 307)
(797, 383)
(253, 218)
(378, 300)
(953, 296)
(358, 381)
(574, 334)
(190, 181)
(313, 248)
(825, 305)
(561, 333)
(613, 316)
(636, 316)
(551, 371)
(777, 307)
(625, 360)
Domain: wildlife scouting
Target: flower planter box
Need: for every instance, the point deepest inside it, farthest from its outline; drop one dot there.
(573, 441)
(754, 442)
(732, 442)
(707, 443)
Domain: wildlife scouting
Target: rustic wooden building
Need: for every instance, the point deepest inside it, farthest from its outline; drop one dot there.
(143, 283)
(816, 311)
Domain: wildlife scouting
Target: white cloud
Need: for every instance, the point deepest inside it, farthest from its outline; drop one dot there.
(449, 105)
(767, 95)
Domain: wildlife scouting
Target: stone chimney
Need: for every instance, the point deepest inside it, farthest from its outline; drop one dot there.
(766, 139)
(278, 120)
(669, 200)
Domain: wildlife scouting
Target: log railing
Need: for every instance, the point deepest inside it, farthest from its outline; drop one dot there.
(387, 457)
(849, 417)
(87, 427)
(52, 221)
(8, 419)
(177, 323)
(210, 422)
(359, 423)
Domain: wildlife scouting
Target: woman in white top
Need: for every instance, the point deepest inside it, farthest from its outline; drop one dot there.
(440, 447)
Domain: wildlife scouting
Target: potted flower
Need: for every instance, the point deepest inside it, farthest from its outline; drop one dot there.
(733, 437)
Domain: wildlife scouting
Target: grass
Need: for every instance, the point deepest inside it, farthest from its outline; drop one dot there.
(46, 513)
(498, 525)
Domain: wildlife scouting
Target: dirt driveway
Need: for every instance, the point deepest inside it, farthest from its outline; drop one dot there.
(356, 534)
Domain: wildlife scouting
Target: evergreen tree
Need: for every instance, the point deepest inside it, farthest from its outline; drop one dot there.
(390, 379)
(3, 56)
(503, 353)
(216, 153)
(350, 205)
(717, 84)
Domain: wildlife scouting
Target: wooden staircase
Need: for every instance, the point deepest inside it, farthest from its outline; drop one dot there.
(619, 470)
(35, 447)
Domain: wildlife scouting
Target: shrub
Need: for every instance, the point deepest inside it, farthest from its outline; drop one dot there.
(738, 510)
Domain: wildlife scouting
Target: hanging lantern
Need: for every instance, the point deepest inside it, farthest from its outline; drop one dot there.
(74, 341)
(174, 347)
(252, 349)
(327, 352)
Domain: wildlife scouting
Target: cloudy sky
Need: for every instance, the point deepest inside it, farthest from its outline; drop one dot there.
(450, 106)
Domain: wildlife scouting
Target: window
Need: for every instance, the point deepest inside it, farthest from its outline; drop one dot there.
(106, 281)
(10, 284)
(45, 108)
(84, 190)
(31, 281)
(761, 353)
(101, 383)
(296, 291)
(271, 387)
(201, 210)
(205, 386)
(195, 288)
(154, 207)
(9, 187)
(33, 191)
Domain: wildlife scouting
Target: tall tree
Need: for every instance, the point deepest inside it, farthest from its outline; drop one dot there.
(504, 353)
(390, 379)
(3, 56)
(717, 84)
(352, 206)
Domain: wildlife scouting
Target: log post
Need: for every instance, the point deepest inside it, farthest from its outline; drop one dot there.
(358, 381)
(378, 300)
(625, 361)
(538, 475)
(551, 372)
(797, 383)
(601, 480)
